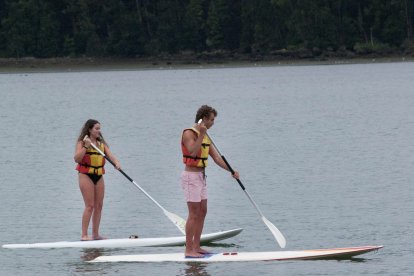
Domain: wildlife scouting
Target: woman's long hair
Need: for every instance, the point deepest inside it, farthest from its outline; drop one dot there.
(89, 124)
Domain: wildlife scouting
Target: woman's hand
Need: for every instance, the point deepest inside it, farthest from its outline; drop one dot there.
(87, 142)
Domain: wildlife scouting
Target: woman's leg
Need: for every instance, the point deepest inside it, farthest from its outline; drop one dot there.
(87, 189)
(98, 203)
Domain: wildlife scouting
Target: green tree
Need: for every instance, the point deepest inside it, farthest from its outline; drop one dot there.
(31, 29)
(224, 24)
(170, 17)
(311, 25)
(408, 7)
(125, 30)
(391, 25)
(195, 28)
(81, 32)
(3, 40)
(48, 28)
(263, 28)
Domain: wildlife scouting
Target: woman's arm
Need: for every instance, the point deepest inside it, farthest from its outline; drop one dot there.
(80, 151)
(191, 143)
(110, 155)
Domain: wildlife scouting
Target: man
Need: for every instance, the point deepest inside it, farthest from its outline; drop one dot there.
(196, 147)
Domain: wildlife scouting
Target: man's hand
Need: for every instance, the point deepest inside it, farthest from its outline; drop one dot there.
(236, 175)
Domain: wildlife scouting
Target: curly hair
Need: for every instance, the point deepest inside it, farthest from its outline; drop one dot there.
(204, 111)
(89, 124)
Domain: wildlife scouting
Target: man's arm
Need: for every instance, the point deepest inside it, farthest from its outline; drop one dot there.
(191, 142)
(219, 161)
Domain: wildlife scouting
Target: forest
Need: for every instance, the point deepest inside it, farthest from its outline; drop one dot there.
(145, 28)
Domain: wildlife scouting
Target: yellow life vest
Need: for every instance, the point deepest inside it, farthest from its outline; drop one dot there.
(200, 160)
(92, 162)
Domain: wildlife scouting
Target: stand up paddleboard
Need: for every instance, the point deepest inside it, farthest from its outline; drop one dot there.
(121, 243)
(335, 253)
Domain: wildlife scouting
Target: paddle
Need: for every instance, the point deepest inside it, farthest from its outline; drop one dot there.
(276, 233)
(178, 221)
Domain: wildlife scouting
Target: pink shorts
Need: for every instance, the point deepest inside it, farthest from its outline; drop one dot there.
(194, 186)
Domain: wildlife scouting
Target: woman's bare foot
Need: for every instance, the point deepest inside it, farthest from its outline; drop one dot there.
(86, 238)
(99, 238)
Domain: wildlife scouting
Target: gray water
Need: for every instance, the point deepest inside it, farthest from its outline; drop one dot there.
(325, 151)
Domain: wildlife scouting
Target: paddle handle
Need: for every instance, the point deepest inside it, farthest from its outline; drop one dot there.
(225, 161)
(120, 170)
(232, 172)
(276, 233)
(110, 161)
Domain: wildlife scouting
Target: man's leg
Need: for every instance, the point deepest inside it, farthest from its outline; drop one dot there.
(191, 228)
(202, 212)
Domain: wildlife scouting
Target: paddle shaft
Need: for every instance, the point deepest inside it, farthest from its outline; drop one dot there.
(178, 224)
(127, 176)
(227, 163)
(277, 234)
(232, 172)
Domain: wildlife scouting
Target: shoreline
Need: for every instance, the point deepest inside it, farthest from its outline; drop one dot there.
(35, 65)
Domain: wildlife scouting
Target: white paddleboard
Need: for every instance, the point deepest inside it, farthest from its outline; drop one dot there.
(121, 243)
(334, 253)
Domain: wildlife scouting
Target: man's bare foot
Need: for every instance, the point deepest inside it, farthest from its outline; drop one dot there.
(193, 254)
(202, 251)
(86, 238)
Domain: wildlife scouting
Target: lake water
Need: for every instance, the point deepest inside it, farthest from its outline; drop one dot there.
(326, 151)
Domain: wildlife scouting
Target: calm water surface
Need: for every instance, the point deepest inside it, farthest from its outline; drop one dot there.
(325, 151)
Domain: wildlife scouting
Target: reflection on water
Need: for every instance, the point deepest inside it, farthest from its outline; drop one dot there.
(196, 269)
(91, 253)
(220, 245)
(355, 259)
(82, 267)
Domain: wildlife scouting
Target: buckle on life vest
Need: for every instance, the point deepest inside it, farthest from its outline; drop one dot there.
(95, 168)
(203, 159)
(195, 157)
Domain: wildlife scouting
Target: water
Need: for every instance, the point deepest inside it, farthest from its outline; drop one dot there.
(325, 151)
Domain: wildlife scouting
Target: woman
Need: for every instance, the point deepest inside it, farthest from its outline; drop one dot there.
(91, 170)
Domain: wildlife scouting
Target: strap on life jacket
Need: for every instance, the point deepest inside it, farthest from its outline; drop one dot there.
(95, 168)
(203, 159)
(197, 158)
(92, 153)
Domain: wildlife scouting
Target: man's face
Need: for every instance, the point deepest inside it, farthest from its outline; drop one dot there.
(209, 121)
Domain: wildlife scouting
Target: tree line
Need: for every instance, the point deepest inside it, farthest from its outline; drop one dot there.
(137, 28)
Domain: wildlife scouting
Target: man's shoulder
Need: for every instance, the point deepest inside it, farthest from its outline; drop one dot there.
(189, 132)
(190, 129)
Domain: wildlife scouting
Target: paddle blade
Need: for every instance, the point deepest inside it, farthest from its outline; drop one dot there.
(178, 221)
(276, 233)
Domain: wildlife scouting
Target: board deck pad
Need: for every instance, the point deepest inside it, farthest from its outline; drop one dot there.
(121, 243)
(315, 254)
